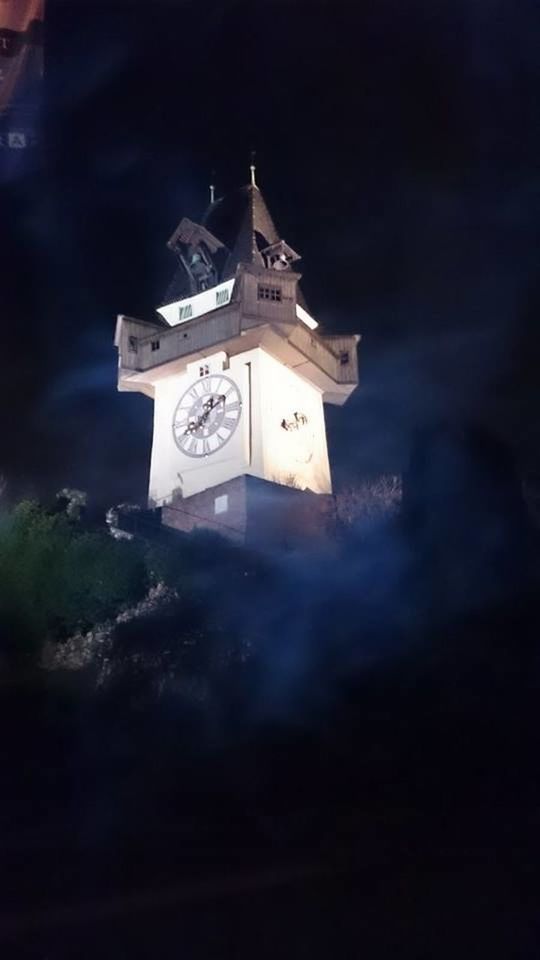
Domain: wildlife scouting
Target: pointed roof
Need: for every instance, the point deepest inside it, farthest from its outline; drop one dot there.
(242, 221)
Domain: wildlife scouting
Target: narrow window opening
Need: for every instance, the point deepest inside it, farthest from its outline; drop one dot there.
(186, 312)
(155, 344)
(222, 296)
(221, 504)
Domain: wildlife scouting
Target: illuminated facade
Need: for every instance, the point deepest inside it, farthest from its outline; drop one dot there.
(238, 372)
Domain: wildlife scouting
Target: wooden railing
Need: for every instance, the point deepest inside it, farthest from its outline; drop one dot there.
(143, 346)
(163, 345)
(337, 356)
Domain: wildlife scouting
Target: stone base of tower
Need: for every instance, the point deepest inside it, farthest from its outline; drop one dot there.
(257, 512)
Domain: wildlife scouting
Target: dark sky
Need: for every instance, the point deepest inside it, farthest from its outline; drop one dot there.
(398, 149)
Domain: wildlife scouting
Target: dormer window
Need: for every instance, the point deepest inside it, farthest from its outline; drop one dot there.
(222, 297)
(269, 293)
(185, 312)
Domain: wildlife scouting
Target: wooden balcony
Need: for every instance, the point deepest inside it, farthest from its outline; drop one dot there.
(336, 356)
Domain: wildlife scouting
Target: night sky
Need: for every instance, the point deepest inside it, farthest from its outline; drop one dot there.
(397, 149)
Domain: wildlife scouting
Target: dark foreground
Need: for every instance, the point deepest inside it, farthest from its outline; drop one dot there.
(406, 824)
(384, 804)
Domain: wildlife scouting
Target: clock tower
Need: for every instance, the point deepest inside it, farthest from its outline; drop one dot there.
(238, 372)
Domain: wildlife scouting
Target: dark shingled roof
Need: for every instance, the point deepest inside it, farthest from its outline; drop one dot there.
(242, 222)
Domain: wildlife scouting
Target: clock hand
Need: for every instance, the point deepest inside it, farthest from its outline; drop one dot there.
(213, 402)
(208, 406)
(196, 424)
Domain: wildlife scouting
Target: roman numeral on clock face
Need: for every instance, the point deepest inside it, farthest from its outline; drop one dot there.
(207, 415)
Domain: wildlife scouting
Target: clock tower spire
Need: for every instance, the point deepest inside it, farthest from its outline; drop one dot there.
(252, 169)
(238, 371)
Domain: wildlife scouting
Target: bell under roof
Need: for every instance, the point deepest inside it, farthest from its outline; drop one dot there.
(242, 222)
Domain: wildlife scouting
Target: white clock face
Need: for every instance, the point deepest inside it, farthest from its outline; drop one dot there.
(207, 415)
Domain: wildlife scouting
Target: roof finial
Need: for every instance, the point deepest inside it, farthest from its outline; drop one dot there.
(252, 169)
(213, 188)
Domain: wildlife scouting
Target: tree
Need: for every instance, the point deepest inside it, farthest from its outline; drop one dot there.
(57, 578)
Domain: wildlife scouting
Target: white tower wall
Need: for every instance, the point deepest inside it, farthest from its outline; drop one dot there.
(280, 435)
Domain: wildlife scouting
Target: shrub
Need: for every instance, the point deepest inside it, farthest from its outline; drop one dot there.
(56, 577)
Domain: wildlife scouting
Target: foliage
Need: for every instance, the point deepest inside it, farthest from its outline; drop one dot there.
(203, 630)
(370, 499)
(72, 501)
(57, 577)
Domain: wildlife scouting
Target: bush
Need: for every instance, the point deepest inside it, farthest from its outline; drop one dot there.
(57, 578)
